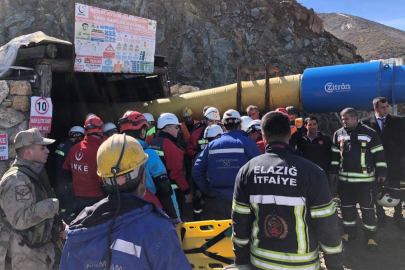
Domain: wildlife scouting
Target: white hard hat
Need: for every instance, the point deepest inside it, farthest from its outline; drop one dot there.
(109, 126)
(167, 119)
(76, 130)
(389, 197)
(254, 126)
(245, 122)
(212, 114)
(231, 114)
(149, 117)
(212, 131)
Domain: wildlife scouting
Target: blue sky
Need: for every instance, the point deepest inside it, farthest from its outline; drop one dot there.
(388, 12)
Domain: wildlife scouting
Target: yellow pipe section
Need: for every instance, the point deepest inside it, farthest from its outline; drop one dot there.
(284, 91)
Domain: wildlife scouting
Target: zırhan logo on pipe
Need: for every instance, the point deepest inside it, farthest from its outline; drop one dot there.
(331, 87)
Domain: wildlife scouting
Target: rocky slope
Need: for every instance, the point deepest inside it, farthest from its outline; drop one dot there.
(204, 40)
(373, 40)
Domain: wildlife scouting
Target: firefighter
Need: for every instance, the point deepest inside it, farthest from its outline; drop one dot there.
(221, 161)
(63, 189)
(255, 133)
(357, 160)
(283, 211)
(134, 124)
(139, 235)
(195, 145)
(188, 124)
(172, 156)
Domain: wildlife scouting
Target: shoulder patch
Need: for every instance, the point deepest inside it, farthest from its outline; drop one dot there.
(23, 192)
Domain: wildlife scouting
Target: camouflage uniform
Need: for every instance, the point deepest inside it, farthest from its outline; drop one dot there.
(22, 208)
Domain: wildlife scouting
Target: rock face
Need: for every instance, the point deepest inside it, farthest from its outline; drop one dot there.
(204, 41)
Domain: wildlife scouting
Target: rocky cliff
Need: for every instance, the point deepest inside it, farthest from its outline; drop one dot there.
(204, 40)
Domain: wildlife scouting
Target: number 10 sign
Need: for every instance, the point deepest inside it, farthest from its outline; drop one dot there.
(41, 114)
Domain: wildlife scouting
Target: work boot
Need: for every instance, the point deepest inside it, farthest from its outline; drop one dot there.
(348, 237)
(372, 245)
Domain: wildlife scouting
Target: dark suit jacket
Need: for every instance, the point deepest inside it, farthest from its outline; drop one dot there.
(393, 139)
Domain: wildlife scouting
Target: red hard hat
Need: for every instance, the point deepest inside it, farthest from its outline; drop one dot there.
(132, 120)
(281, 109)
(93, 124)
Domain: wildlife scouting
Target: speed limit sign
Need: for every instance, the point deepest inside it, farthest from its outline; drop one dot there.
(41, 114)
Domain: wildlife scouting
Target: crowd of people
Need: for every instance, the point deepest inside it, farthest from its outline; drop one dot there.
(127, 184)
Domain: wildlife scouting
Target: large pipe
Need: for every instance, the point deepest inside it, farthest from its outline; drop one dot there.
(324, 89)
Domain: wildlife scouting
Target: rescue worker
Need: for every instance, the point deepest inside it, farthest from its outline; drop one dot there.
(315, 146)
(188, 124)
(81, 166)
(221, 161)
(212, 132)
(253, 112)
(255, 133)
(151, 133)
(158, 185)
(245, 122)
(172, 156)
(110, 129)
(357, 160)
(282, 210)
(142, 236)
(28, 207)
(64, 190)
(201, 122)
(195, 145)
(391, 130)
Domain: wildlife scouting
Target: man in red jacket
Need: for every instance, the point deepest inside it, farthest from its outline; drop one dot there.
(171, 155)
(82, 164)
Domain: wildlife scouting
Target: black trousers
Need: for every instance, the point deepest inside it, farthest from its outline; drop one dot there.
(352, 194)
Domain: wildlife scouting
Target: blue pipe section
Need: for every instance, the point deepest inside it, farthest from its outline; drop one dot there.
(333, 88)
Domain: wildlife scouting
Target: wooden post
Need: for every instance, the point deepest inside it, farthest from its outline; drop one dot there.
(238, 89)
(44, 73)
(267, 96)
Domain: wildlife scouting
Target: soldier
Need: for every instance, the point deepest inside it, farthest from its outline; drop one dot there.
(28, 207)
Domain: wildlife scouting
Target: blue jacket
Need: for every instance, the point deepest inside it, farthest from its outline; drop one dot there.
(143, 238)
(221, 160)
(154, 167)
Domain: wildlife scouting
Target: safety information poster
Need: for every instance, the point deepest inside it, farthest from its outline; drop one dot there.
(108, 41)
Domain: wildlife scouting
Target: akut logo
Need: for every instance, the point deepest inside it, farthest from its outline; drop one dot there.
(330, 87)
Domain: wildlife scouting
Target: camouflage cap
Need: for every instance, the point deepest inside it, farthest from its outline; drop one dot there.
(29, 137)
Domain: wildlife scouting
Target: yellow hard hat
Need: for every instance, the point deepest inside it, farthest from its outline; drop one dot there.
(109, 153)
(187, 112)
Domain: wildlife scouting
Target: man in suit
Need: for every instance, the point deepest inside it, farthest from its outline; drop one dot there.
(391, 130)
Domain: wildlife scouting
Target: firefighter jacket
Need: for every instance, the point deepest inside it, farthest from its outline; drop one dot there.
(196, 143)
(318, 150)
(82, 162)
(221, 160)
(283, 212)
(143, 237)
(172, 157)
(358, 155)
